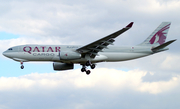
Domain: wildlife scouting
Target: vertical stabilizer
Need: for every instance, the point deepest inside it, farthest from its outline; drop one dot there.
(158, 37)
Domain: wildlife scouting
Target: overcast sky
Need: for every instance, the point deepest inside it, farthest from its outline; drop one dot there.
(151, 82)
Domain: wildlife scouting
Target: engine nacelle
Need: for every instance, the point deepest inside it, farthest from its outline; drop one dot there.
(62, 66)
(69, 55)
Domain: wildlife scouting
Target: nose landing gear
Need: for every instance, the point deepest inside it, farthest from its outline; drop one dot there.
(22, 66)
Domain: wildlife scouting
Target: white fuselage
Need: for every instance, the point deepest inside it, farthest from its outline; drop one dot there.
(51, 53)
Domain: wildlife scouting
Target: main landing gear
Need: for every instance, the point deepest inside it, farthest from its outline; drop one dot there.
(84, 67)
(22, 66)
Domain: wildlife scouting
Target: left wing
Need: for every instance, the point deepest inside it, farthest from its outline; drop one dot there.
(93, 48)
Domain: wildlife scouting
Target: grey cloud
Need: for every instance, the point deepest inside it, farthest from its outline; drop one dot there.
(81, 19)
(157, 77)
(60, 90)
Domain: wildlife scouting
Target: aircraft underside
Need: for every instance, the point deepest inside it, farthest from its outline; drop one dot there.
(61, 64)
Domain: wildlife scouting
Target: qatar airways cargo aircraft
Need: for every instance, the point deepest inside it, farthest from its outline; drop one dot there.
(65, 56)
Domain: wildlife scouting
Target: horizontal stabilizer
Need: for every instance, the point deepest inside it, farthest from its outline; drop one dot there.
(161, 47)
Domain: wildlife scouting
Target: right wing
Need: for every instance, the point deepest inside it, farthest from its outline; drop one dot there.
(93, 48)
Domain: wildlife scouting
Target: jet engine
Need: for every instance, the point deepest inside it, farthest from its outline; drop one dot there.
(62, 66)
(69, 55)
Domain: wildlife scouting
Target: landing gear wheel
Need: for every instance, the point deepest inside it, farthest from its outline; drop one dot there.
(88, 72)
(88, 63)
(83, 69)
(22, 67)
(93, 66)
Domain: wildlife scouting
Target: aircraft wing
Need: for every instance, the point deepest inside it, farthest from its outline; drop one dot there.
(93, 48)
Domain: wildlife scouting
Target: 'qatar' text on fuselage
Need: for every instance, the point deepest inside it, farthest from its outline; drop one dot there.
(41, 49)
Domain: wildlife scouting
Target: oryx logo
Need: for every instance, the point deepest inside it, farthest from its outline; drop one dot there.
(160, 36)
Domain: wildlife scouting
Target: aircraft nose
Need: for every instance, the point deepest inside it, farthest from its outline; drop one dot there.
(5, 54)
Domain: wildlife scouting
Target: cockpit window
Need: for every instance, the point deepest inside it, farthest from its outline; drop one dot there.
(10, 49)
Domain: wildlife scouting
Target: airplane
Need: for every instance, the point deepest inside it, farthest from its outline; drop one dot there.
(65, 56)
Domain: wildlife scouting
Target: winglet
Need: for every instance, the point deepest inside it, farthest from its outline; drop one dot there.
(129, 25)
